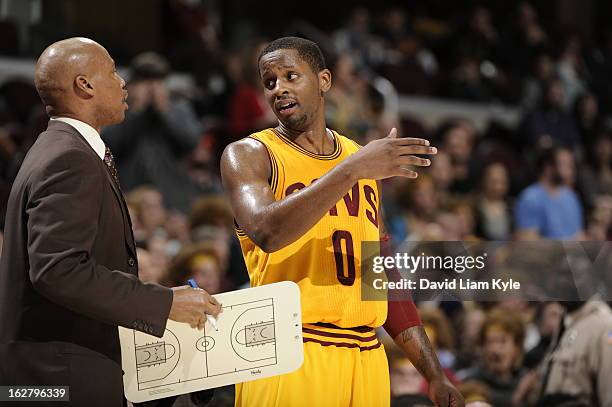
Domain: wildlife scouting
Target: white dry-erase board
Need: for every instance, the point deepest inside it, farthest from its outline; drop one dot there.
(260, 335)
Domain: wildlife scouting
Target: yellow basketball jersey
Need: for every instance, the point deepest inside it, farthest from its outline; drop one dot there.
(326, 261)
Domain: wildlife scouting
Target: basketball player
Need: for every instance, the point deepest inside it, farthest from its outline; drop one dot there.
(304, 198)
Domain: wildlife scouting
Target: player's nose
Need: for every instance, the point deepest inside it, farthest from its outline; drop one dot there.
(280, 89)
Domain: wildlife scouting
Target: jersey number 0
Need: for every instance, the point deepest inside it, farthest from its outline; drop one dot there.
(338, 237)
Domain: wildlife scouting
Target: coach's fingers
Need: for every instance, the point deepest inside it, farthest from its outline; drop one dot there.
(193, 322)
(201, 323)
(213, 300)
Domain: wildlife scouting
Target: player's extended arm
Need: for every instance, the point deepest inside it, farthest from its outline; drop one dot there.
(402, 313)
(271, 224)
(404, 325)
(416, 344)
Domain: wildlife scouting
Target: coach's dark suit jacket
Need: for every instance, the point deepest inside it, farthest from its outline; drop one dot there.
(68, 274)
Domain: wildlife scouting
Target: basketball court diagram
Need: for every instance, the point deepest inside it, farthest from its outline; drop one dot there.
(251, 337)
(246, 345)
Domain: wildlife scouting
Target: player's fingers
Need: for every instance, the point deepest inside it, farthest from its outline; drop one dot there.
(411, 141)
(443, 400)
(412, 160)
(416, 149)
(393, 133)
(406, 173)
(457, 400)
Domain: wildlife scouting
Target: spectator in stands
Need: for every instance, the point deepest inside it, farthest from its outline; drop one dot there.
(419, 203)
(440, 333)
(148, 270)
(543, 72)
(191, 40)
(413, 68)
(406, 382)
(548, 319)
(590, 123)
(597, 172)
(347, 103)
(200, 262)
(248, 111)
(475, 393)
(570, 69)
(156, 135)
(470, 326)
(467, 82)
(8, 161)
(147, 210)
(441, 172)
(458, 139)
(581, 362)
(478, 404)
(463, 210)
(493, 214)
(482, 37)
(548, 208)
(600, 219)
(211, 220)
(550, 124)
(356, 39)
(502, 344)
(532, 36)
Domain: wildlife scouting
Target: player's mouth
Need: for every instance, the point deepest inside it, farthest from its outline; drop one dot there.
(125, 98)
(286, 108)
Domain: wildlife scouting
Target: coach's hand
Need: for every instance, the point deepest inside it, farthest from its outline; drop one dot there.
(390, 157)
(190, 304)
(444, 394)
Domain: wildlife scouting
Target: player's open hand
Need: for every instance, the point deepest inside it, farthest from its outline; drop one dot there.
(189, 305)
(444, 394)
(391, 157)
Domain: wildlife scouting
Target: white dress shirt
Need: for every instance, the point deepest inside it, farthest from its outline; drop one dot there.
(89, 134)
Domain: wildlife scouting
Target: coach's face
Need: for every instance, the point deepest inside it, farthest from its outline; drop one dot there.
(292, 88)
(109, 87)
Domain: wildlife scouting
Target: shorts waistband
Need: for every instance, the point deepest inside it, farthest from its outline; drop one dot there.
(363, 337)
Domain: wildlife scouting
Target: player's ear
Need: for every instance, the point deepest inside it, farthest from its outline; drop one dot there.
(325, 80)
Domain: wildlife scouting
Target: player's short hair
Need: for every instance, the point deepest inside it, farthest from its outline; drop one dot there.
(306, 49)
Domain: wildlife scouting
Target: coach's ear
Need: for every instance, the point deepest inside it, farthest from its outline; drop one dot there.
(325, 80)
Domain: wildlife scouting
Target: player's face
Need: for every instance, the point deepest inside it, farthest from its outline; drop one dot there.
(292, 89)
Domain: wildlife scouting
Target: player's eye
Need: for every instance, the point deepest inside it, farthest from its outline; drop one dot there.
(269, 83)
(292, 76)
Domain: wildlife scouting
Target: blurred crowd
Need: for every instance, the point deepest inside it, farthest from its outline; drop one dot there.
(550, 177)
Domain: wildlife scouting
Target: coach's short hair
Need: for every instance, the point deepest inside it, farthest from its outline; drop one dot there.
(306, 49)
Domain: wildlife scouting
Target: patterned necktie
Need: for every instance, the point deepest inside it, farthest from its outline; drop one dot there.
(109, 160)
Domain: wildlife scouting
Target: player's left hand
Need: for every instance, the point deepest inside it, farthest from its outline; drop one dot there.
(444, 394)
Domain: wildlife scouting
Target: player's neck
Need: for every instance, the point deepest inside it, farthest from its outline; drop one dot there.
(315, 138)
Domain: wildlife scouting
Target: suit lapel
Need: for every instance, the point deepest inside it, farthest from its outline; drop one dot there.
(127, 222)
